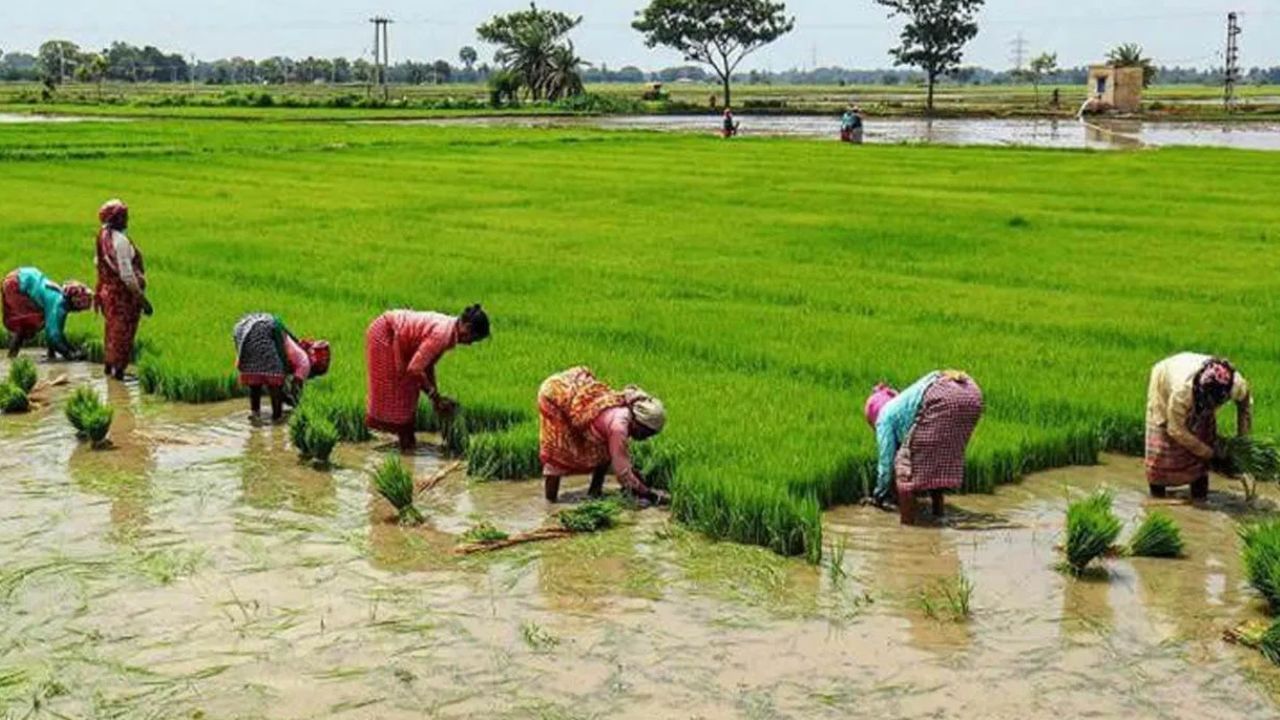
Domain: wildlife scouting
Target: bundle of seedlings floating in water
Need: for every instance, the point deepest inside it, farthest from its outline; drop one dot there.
(590, 516)
(395, 483)
(1158, 536)
(484, 533)
(1260, 556)
(89, 415)
(1092, 529)
(1254, 459)
(1263, 638)
(313, 435)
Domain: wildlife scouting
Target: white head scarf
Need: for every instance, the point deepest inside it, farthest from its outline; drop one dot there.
(647, 409)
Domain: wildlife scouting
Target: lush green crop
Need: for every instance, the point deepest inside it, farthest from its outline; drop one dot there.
(395, 483)
(13, 399)
(759, 287)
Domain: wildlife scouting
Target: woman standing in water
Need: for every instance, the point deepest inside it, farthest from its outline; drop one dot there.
(33, 302)
(1183, 398)
(402, 348)
(269, 356)
(122, 283)
(586, 427)
(921, 436)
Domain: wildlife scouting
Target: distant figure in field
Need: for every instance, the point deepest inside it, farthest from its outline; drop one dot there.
(1183, 398)
(269, 356)
(402, 348)
(586, 427)
(730, 126)
(851, 125)
(921, 435)
(33, 302)
(122, 284)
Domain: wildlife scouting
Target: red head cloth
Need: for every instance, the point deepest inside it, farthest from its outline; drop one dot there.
(79, 296)
(879, 397)
(114, 214)
(319, 355)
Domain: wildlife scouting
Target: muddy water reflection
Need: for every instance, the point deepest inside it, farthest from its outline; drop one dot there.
(198, 567)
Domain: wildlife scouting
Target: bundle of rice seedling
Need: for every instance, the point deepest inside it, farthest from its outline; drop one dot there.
(1261, 559)
(89, 415)
(484, 533)
(590, 516)
(321, 438)
(1092, 528)
(1264, 639)
(1254, 459)
(23, 374)
(13, 399)
(1157, 536)
(299, 424)
(395, 483)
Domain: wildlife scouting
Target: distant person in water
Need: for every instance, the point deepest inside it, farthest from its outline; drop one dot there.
(33, 302)
(402, 348)
(586, 427)
(730, 126)
(269, 358)
(1183, 398)
(122, 285)
(921, 436)
(851, 125)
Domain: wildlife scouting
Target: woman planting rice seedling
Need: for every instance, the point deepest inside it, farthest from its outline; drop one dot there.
(269, 356)
(33, 302)
(1183, 398)
(586, 427)
(122, 283)
(402, 348)
(921, 436)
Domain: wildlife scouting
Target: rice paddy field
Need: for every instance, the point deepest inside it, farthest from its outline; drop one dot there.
(759, 287)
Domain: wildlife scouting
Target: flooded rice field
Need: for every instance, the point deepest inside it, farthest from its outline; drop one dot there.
(1062, 134)
(198, 570)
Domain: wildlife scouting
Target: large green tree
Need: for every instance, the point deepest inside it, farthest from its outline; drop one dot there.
(716, 33)
(934, 36)
(530, 44)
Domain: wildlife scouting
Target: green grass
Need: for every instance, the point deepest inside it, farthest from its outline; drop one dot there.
(1092, 529)
(760, 288)
(395, 483)
(1157, 536)
(1260, 555)
(23, 374)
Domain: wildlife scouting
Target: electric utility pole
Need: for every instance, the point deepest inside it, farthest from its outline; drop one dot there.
(1232, 61)
(381, 52)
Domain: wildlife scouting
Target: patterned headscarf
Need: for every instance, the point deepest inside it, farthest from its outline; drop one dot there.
(79, 296)
(880, 396)
(647, 410)
(1213, 384)
(319, 355)
(114, 214)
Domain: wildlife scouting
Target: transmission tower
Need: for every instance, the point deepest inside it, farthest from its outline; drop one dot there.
(381, 53)
(1018, 54)
(1232, 61)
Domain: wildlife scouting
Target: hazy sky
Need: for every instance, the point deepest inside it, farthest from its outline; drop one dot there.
(852, 33)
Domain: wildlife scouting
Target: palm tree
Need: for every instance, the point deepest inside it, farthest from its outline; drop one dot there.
(564, 73)
(1130, 55)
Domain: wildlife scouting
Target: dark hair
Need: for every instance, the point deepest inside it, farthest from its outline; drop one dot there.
(476, 319)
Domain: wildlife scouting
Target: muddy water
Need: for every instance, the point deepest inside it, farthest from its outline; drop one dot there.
(198, 569)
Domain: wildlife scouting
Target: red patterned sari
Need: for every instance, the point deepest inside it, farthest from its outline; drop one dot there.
(118, 296)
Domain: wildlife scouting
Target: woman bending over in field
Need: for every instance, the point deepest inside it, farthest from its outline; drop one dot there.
(1183, 398)
(33, 302)
(122, 283)
(402, 348)
(921, 436)
(269, 356)
(586, 427)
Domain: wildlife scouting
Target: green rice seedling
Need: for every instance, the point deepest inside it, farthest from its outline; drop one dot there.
(590, 516)
(1157, 536)
(395, 483)
(321, 438)
(299, 425)
(1260, 556)
(1263, 638)
(835, 563)
(1092, 528)
(484, 532)
(13, 399)
(1254, 456)
(537, 637)
(23, 374)
(952, 597)
(89, 415)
